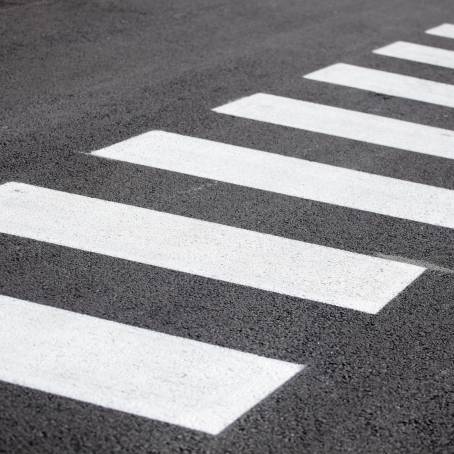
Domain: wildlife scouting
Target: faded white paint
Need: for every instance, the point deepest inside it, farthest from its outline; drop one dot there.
(345, 123)
(419, 53)
(146, 373)
(203, 248)
(386, 83)
(287, 175)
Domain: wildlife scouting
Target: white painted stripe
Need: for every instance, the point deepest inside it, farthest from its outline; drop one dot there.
(444, 30)
(287, 175)
(386, 83)
(203, 248)
(419, 53)
(172, 379)
(343, 123)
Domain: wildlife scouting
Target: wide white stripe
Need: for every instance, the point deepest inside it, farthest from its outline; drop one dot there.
(386, 83)
(203, 248)
(444, 30)
(171, 379)
(287, 175)
(343, 123)
(419, 53)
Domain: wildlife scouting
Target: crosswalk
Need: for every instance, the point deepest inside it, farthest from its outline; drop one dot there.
(177, 380)
(287, 175)
(348, 124)
(443, 30)
(203, 248)
(419, 54)
(189, 383)
(386, 83)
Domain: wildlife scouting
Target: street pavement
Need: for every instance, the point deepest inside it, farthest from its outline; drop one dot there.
(227, 227)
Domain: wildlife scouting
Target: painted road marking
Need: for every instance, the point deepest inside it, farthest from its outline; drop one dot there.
(345, 123)
(287, 175)
(172, 379)
(203, 248)
(444, 30)
(419, 53)
(386, 83)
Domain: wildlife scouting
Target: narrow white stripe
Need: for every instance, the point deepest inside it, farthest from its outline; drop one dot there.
(419, 53)
(444, 30)
(287, 175)
(146, 373)
(203, 248)
(386, 83)
(343, 123)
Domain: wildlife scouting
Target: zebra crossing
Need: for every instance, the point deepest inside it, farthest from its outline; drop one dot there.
(203, 248)
(348, 124)
(386, 83)
(443, 30)
(419, 54)
(287, 175)
(189, 383)
(181, 381)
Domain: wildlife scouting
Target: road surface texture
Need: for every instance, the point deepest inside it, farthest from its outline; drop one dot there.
(227, 226)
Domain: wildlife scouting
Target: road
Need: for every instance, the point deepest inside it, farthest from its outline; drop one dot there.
(226, 226)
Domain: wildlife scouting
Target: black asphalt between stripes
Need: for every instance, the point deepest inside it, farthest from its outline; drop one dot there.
(79, 75)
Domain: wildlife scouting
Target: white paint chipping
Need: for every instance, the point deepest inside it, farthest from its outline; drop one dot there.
(287, 175)
(419, 53)
(203, 248)
(386, 83)
(345, 123)
(443, 30)
(172, 379)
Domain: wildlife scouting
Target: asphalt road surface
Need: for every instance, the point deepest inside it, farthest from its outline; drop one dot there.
(272, 276)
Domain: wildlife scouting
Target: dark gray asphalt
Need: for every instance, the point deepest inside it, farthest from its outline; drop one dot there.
(78, 75)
